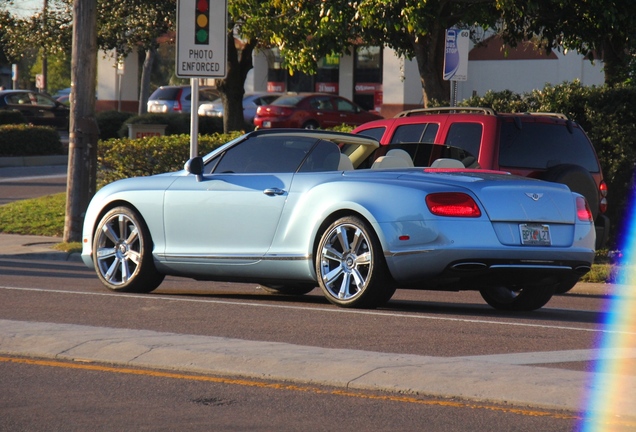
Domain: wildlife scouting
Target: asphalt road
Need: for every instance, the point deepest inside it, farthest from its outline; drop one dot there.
(280, 363)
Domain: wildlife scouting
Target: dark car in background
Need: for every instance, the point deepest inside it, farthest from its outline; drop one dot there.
(311, 111)
(37, 108)
(177, 99)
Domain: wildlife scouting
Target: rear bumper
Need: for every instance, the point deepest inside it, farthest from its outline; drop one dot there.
(479, 274)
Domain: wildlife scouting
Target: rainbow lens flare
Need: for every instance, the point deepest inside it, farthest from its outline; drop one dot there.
(613, 384)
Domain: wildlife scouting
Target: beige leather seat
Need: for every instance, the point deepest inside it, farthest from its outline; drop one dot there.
(345, 163)
(403, 154)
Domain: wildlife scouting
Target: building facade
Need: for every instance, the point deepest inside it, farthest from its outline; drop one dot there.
(377, 78)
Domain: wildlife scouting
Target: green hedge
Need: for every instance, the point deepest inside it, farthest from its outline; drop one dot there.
(176, 124)
(27, 140)
(110, 123)
(608, 115)
(123, 158)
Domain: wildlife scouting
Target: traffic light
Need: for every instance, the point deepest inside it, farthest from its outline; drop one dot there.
(202, 22)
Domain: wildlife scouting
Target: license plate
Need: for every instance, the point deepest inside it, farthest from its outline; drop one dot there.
(535, 234)
(267, 124)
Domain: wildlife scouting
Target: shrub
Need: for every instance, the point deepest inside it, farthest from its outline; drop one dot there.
(11, 117)
(27, 140)
(123, 158)
(110, 123)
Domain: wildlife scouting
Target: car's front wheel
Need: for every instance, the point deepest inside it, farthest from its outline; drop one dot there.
(528, 298)
(350, 266)
(122, 252)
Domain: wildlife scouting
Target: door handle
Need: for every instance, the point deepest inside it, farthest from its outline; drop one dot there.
(273, 191)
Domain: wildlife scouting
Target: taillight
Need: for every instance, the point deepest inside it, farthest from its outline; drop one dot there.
(583, 211)
(273, 111)
(602, 189)
(455, 204)
(177, 105)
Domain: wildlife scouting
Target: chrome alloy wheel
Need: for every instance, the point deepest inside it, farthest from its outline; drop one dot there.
(118, 249)
(345, 261)
(350, 266)
(122, 252)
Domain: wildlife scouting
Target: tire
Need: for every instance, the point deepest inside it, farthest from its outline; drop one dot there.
(122, 252)
(519, 299)
(311, 124)
(350, 265)
(294, 289)
(579, 180)
(566, 285)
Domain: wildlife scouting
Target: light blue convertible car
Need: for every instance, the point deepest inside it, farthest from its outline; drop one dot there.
(296, 209)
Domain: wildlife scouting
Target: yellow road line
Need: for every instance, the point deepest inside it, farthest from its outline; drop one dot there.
(79, 364)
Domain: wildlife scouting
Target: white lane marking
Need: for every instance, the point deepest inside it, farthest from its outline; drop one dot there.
(319, 309)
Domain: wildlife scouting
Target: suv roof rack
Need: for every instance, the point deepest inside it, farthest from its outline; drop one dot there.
(549, 114)
(408, 113)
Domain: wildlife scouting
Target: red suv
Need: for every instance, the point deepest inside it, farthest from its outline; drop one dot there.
(545, 146)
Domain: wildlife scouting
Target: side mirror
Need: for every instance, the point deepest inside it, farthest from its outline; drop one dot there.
(195, 166)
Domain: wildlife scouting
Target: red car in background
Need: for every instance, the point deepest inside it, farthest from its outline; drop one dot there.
(311, 111)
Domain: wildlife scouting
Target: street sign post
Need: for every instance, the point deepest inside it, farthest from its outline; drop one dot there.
(201, 50)
(201, 38)
(456, 59)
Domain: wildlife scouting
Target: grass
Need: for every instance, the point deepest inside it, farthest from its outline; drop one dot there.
(44, 216)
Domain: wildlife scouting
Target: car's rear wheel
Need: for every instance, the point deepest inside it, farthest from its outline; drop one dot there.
(527, 298)
(350, 265)
(566, 285)
(122, 252)
(311, 124)
(293, 289)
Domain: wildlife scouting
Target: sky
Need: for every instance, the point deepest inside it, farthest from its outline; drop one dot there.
(23, 7)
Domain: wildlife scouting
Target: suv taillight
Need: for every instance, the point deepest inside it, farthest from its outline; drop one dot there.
(177, 106)
(602, 189)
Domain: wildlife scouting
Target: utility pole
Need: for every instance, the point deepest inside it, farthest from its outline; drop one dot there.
(83, 133)
(45, 71)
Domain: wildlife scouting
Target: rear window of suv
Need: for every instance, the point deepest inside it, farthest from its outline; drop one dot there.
(167, 93)
(541, 146)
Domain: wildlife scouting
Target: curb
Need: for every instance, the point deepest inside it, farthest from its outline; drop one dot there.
(26, 161)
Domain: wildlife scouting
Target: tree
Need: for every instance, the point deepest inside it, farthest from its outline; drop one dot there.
(82, 156)
(600, 27)
(416, 29)
(127, 24)
(123, 25)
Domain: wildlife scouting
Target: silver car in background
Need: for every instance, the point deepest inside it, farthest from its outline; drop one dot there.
(177, 99)
(288, 210)
(251, 101)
